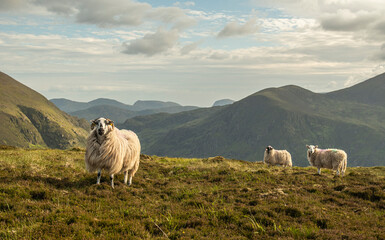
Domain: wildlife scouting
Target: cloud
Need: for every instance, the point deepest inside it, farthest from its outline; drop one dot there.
(189, 47)
(187, 4)
(153, 43)
(109, 14)
(172, 15)
(63, 7)
(346, 20)
(235, 29)
(219, 55)
(106, 13)
(380, 55)
(9, 5)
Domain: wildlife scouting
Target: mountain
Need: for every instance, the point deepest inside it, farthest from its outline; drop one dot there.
(117, 111)
(108, 102)
(223, 102)
(288, 117)
(368, 92)
(145, 105)
(28, 119)
(73, 106)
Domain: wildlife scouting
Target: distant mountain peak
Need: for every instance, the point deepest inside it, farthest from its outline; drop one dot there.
(223, 102)
(153, 104)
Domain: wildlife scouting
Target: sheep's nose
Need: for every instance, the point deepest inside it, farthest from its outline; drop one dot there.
(101, 131)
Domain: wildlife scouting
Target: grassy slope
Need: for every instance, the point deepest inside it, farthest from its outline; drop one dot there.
(29, 118)
(48, 194)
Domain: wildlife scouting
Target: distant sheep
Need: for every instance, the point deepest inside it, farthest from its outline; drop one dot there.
(277, 157)
(112, 149)
(335, 159)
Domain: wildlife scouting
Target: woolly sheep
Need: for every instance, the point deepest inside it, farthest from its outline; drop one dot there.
(335, 159)
(112, 149)
(277, 157)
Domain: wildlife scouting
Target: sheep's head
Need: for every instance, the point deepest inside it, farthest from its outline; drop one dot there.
(311, 148)
(268, 149)
(102, 125)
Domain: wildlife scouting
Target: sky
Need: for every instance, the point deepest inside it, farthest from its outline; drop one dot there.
(189, 52)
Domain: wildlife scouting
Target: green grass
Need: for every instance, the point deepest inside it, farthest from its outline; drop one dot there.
(47, 194)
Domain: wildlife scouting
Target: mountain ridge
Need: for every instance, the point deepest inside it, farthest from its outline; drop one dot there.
(116, 110)
(287, 117)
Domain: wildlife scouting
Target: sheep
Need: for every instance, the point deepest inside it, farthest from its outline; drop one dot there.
(335, 159)
(277, 157)
(112, 149)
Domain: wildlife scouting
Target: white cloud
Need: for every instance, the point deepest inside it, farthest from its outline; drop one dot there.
(235, 29)
(153, 43)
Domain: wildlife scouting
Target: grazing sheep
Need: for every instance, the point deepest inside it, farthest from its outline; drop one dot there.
(112, 149)
(277, 157)
(335, 159)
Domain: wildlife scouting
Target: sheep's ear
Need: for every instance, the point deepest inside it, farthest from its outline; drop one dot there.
(110, 122)
(93, 124)
(307, 146)
(316, 146)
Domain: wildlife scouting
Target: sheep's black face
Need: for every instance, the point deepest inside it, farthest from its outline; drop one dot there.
(268, 149)
(102, 125)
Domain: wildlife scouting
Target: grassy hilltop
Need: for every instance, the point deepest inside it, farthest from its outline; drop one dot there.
(47, 194)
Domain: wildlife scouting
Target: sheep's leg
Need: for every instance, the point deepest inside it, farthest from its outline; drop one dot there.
(112, 180)
(125, 177)
(99, 175)
(130, 181)
(337, 172)
(319, 171)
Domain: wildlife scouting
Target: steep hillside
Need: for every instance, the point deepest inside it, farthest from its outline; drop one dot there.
(29, 119)
(287, 118)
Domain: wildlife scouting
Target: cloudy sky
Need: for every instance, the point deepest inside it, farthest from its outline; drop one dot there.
(190, 52)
